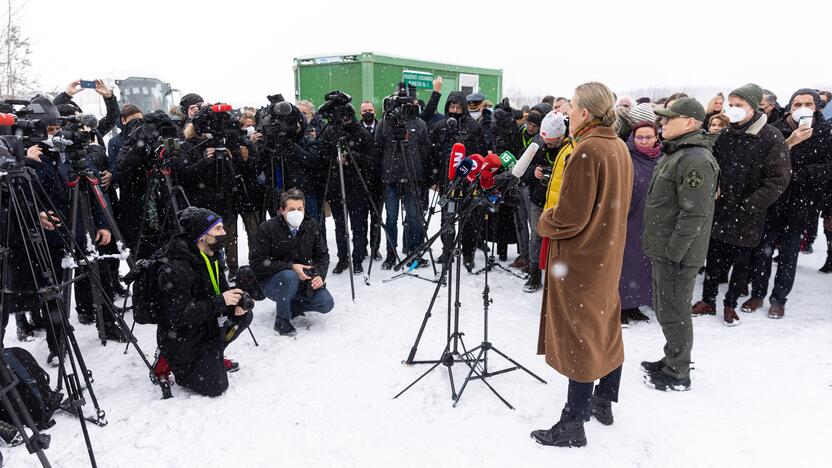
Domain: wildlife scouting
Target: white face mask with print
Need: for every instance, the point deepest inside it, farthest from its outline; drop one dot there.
(294, 218)
(736, 114)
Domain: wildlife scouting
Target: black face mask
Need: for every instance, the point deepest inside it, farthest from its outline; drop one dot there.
(456, 115)
(368, 117)
(218, 244)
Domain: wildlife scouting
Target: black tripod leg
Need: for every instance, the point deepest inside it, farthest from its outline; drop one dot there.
(252, 337)
(473, 368)
(417, 380)
(519, 366)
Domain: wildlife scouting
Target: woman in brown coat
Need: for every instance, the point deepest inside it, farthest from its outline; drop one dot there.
(580, 329)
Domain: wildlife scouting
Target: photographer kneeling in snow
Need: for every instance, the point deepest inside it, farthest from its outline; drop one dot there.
(290, 259)
(196, 323)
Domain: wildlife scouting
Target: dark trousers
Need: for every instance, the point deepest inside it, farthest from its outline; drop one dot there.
(467, 228)
(377, 192)
(357, 211)
(788, 239)
(721, 257)
(250, 222)
(18, 278)
(579, 394)
(207, 374)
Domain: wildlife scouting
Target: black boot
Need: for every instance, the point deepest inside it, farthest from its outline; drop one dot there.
(827, 267)
(25, 331)
(390, 260)
(284, 327)
(565, 433)
(534, 281)
(601, 409)
(468, 262)
(342, 266)
(114, 332)
(376, 255)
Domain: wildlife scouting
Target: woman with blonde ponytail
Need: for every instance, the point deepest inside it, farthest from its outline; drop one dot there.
(580, 329)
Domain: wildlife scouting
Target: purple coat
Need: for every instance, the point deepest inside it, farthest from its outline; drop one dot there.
(636, 286)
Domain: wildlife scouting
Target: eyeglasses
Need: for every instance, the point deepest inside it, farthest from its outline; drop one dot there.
(644, 138)
(667, 120)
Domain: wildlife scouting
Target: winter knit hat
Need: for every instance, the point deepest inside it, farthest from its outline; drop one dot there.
(750, 93)
(808, 91)
(188, 100)
(196, 222)
(643, 113)
(553, 126)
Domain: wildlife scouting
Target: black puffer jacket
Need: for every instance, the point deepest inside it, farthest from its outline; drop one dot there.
(811, 163)
(469, 132)
(190, 309)
(754, 172)
(273, 249)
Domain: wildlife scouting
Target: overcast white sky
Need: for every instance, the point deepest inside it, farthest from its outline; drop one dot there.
(241, 51)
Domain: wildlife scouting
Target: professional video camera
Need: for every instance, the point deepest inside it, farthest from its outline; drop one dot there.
(155, 130)
(399, 106)
(224, 128)
(337, 109)
(77, 133)
(277, 120)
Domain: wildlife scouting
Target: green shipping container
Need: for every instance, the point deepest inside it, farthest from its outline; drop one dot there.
(370, 77)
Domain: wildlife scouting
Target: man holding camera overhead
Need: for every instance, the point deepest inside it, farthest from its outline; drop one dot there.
(290, 260)
(200, 314)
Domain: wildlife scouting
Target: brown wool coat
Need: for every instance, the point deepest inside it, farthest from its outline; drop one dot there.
(580, 328)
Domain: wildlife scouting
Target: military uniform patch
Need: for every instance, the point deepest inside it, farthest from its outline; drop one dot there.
(694, 178)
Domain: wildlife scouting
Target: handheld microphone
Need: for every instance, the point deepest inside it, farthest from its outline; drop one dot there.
(457, 155)
(466, 167)
(524, 161)
(478, 163)
(492, 163)
(486, 180)
(508, 160)
(217, 108)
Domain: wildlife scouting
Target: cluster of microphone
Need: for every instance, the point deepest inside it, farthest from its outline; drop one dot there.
(490, 173)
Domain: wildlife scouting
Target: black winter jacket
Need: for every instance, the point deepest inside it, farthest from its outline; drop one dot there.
(273, 249)
(395, 167)
(190, 309)
(754, 172)
(207, 182)
(107, 122)
(442, 138)
(811, 163)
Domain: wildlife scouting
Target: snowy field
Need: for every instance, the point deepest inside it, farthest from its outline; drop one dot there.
(761, 394)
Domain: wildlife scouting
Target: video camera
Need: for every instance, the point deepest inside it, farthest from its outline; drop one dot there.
(278, 120)
(399, 106)
(217, 121)
(337, 109)
(19, 128)
(77, 133)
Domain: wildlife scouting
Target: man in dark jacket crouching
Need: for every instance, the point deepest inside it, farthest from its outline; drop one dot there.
(290, 260)
(199, 312)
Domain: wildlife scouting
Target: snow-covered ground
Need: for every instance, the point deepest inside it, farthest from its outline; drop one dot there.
(761, 394)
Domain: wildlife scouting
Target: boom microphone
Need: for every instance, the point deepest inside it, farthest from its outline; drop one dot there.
(7, 120)
(524, 161)
(457, 155)
(217, 108)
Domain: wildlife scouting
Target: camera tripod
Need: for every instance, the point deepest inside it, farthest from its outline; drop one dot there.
(478, 364)
(403, 150)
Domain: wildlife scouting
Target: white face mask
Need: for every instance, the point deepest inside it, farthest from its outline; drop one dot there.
(250, 131)
(735, 114)
(802, 113)
(476, 115)
(294, 218)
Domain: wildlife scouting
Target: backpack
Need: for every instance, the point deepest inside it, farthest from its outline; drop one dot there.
(33, 387)
(144, 277)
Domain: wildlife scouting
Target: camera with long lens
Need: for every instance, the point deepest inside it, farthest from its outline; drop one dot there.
(337, 109)
(246, 302)
(399, 106)
(77, 133)
(306, 286)
(277, 121)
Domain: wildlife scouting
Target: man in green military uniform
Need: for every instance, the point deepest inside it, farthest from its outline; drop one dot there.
(678, 217)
